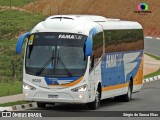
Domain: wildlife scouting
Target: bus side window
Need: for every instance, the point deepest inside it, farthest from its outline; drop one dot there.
(123, 40)
(97, 49)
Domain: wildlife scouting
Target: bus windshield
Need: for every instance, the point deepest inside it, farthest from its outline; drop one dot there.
(55, 55)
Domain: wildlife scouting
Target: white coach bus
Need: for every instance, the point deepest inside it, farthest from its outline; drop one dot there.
(82, 59)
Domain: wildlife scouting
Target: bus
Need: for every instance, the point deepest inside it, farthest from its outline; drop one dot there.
(82, 59)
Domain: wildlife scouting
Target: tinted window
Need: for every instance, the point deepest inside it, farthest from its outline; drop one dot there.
(56, 55)
(123, 40)
(98, 45)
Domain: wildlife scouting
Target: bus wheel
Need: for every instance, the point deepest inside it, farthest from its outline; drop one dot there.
(127, 97)
(41, 105)
(94, 105)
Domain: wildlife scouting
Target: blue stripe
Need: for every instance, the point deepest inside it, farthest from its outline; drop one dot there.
(54, 81)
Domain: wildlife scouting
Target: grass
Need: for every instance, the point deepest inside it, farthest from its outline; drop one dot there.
(153, 56)
(12, 24)
(13, 103)
(14, 2)
(10, 88)
(152, 74)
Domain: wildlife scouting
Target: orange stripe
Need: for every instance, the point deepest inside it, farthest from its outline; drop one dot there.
(138, 79)
(114, 87)
(70, 84)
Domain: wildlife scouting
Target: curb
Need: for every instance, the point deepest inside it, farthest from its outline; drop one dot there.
(19, 107)
(149, 37)
(151, 79)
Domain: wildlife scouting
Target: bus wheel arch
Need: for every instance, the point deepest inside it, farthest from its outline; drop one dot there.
(41, 105)
(127, 97)
(131, 83)
(96, 103)
(99, 88)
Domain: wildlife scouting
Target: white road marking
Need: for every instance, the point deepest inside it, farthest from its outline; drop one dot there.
(148, 37)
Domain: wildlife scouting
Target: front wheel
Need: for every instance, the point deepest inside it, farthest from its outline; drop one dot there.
(94, 105)
(41, 105)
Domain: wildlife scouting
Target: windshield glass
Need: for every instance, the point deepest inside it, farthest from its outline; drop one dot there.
(55, 55)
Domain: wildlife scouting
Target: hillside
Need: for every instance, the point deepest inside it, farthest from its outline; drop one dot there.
(12, 24)
(122, 9)
(14, 2)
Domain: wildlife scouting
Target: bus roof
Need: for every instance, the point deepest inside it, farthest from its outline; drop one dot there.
(82, 24)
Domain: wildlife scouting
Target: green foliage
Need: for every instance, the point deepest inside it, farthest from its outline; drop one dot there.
(152, 74)
(12, 24)
(7, 55)
(14, 2)
(13, 103)
(10, 88)
(153, 56)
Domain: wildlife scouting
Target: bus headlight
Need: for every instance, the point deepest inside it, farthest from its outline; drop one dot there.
(80, 89)
(28, 87)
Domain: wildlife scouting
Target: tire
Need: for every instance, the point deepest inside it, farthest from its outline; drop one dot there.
(51, 103)
(94, 105)
(41, 105)
(127, 97)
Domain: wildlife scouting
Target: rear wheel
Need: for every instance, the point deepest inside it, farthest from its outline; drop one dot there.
(127, 97)
(94, 105)
(41, 105)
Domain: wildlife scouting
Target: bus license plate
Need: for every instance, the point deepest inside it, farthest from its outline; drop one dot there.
(52, 96)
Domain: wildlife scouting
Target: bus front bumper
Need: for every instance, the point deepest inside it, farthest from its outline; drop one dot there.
(56, 97)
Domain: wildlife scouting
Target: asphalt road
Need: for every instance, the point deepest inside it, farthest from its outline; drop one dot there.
(152, 46)
(148, 99)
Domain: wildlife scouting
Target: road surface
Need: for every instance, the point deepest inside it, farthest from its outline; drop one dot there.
(152, 45)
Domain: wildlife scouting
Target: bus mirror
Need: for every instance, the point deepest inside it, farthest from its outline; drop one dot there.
(89, 41)
(21, 41)
(88, 45)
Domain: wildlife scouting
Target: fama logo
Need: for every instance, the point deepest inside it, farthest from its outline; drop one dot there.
(70, 37)
(114, 60)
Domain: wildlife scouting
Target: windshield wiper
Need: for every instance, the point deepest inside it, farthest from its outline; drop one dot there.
(44, 66)
(65, 67)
